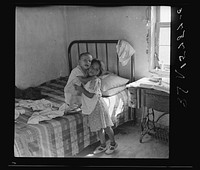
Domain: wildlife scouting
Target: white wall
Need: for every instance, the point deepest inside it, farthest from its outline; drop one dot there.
(40, 45)
(112, 23)
(43, 34)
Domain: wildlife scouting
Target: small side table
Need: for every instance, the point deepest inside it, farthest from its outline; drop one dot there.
(150, 96)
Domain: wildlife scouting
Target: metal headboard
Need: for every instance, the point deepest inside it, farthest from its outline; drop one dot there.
(96, 43)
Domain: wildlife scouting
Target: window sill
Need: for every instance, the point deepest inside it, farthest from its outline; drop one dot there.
(160, 73)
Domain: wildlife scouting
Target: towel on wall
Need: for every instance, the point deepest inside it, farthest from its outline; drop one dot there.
(124, 51)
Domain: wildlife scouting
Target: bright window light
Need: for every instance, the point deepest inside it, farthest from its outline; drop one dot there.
(165, 14)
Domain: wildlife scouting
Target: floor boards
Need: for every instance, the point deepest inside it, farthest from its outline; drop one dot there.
(127, 137)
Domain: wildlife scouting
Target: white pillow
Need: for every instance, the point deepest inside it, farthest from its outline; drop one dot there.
(111, 81)
(113, 91)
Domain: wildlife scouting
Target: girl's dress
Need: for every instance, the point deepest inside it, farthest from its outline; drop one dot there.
(99, 116)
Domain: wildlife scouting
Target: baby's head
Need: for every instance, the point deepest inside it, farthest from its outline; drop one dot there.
(96, 68)
(85, 60)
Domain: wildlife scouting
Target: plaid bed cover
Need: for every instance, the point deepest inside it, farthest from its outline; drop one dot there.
(62, 136)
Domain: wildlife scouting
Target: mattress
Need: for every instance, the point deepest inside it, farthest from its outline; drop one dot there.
(66, 135)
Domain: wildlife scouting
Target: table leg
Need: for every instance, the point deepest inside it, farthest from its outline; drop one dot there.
(145, 124)
(144, 120)
(148, 126)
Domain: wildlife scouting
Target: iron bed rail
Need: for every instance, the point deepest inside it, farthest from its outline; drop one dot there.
(96, 42)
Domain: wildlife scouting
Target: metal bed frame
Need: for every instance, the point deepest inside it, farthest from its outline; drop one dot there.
(96, 43)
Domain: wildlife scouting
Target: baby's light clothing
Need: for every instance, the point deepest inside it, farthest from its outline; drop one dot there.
(72, 99)
(69, 88)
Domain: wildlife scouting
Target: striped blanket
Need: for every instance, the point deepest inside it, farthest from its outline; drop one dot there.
(61, 136)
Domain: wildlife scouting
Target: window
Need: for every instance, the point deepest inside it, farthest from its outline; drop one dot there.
(160, 39)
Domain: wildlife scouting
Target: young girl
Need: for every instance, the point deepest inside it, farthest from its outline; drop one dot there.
(99, 119)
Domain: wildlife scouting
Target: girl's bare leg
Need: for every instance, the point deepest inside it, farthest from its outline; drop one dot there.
(113, 145)
(110, 133)
(102, 147)
(101, 134)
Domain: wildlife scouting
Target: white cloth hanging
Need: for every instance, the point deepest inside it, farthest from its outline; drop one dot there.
(124, 51)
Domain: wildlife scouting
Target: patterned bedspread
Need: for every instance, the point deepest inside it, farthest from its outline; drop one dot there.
(62, 136)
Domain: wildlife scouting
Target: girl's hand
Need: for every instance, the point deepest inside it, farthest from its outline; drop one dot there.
(82, 90)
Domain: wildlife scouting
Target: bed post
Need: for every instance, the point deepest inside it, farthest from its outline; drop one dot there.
(69, 61)
(132, 67)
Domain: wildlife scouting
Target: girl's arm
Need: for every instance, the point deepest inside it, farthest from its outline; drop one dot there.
(84, 91)
(84, 80)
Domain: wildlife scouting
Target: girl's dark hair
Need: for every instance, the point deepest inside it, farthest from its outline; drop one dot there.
(100, 64)
(83, 54)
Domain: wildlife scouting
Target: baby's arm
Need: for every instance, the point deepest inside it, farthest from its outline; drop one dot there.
(84, 91)
(84, 80)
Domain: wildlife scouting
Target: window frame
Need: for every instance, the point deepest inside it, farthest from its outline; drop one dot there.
(154, 45)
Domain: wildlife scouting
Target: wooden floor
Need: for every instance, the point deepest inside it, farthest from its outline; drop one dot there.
(127, 136)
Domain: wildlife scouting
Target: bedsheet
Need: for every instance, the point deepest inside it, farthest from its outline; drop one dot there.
(66, 135)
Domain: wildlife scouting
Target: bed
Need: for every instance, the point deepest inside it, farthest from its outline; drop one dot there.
(67, 135)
